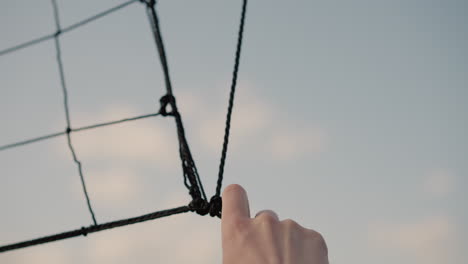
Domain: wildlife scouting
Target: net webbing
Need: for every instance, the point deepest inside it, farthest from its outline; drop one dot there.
(199, 203)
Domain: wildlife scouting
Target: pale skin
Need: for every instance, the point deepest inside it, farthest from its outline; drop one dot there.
(265, 239)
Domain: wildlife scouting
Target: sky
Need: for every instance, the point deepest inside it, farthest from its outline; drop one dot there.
(349, 118)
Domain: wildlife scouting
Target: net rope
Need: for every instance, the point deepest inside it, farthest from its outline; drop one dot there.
(168, 108)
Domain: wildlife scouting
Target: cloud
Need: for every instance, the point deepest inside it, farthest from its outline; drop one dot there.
(117, 159)
(168, 242)
(112, 187)
(178, 239)
(248, 121)
(185, 238)
(439, 183)
(255, 122)
(50, 254)
(427, 241)
(138, 141)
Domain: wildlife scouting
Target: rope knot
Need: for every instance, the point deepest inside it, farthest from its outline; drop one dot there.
(216, 204)
(166, 100)
(57, 33)
(200, 206)
(84, 231)
(68, 130)
(149, 3)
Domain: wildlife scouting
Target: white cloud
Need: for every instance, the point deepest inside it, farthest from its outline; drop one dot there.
(112, 187)
(248, 121)
(428, 241)
(254, 121)
(114, 157)
(439, 183)
(177, 239)
(180, 238)
(50, 254)
(138, 141)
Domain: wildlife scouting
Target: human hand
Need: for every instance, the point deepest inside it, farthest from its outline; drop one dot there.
(264, 239)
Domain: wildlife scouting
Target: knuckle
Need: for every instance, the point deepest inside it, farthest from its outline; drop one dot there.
(291, 224)
(315, 235)
(267, 218)
(318, 240)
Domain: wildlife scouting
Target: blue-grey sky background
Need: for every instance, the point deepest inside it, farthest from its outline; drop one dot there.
(350, 117)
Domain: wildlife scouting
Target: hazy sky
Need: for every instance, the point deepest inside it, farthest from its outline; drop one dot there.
(350, 118)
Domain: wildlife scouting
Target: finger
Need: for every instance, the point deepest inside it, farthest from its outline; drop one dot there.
(270, 213)
(235, 202)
